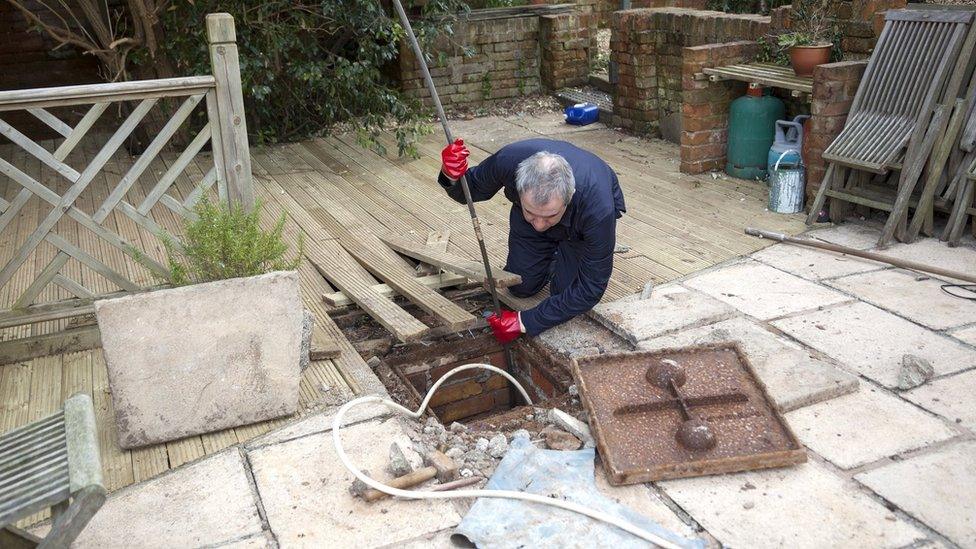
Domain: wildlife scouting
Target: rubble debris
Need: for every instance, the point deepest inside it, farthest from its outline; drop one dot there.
(497, 446)
(557, 439)
(915, 371)
(575, 427)
(647, 291)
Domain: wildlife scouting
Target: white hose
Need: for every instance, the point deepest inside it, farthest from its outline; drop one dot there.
(506, 494)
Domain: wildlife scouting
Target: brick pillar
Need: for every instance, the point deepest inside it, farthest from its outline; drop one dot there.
(565, 41)
(632, 47)
(705, 106)
(834, 87)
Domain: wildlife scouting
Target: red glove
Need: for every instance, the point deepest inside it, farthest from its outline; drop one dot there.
(507, 327)
(454, 160)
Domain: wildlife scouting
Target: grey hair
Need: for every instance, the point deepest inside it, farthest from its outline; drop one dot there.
(545, 175)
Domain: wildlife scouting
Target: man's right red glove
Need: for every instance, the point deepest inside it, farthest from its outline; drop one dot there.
(506, 327)
(454, 160)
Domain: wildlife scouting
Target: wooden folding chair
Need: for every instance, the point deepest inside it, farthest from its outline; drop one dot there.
(964, 207)
(52, 463)
(901, 110)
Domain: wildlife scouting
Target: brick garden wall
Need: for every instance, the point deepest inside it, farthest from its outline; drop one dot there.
(496, 58)
(648, 46)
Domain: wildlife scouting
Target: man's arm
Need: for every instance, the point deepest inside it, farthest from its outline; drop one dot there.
(596, 266)
(484, 180)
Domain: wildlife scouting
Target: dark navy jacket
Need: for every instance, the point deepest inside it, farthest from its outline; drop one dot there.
(577, 252)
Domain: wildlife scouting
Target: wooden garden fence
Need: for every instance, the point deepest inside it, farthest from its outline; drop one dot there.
(225, 130)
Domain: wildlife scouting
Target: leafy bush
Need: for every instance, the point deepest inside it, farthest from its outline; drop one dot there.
(308, 64)
(745, 6)
(224, 243)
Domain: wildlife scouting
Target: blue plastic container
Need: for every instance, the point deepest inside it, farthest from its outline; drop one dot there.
(582, 114)
(789, 137)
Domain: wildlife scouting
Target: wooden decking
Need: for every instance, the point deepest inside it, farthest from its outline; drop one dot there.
(675, 225)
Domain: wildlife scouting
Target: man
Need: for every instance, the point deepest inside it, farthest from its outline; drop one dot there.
(562, 226)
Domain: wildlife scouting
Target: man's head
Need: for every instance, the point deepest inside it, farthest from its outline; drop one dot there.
(545, 184)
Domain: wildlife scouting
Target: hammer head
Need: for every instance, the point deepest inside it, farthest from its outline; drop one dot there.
(447, 469)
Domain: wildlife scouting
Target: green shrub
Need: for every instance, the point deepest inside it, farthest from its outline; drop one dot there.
(308, 64)
(224, 243)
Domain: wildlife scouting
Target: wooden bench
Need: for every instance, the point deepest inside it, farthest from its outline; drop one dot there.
(52, 463)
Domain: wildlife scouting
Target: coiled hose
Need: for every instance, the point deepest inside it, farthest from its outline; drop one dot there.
(505, 494)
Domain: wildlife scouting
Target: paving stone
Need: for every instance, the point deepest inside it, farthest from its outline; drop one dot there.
(935, 488)
(805, 506)
(304, 488)
(319, 422)
(551, 124)
(950, 397)
(260, 541)
(669, 308)
(966, 335)
(202, 358)
(794, 377)
(813, 264)
(932, 251)
(866, 426)
(861, 236)
(762, 291)
(490, 133)
(206, 503)
(872, 341)
(582, 335)
(901, 292)
(642, 499)
(437, 540)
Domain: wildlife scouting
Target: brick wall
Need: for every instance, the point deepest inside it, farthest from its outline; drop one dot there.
(705, 111)
(565, 42)
(834, 87)
(648, 46)
(495, 57)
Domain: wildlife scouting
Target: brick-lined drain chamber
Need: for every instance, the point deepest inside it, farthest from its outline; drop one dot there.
(472, 395)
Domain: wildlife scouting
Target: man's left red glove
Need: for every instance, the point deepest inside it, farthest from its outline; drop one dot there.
(506, 327)
(454, 160)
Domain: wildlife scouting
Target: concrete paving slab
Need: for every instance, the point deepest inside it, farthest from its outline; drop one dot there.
(642, 499)
(813, 264)
(872, 341)
(669, 308)
(762, 291)
(935, 488)
(966, 335)
(864, 427)
(320, 422)
(437, 540)
(805, 506)
(580, 336)
(206, 503)
(202, 358)
(902, 293)
(260, 541)
(932, 251)
(794, 376)
(304, 489)
(950, 397)
(853, 235)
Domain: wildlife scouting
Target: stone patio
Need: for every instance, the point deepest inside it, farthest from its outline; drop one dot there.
(886, 468)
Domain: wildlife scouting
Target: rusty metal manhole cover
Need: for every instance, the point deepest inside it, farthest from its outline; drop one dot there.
(682, 413)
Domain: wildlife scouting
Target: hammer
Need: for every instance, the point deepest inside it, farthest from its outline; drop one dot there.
(438, 465)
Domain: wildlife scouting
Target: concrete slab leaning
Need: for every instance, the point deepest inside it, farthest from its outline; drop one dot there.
(201, 358)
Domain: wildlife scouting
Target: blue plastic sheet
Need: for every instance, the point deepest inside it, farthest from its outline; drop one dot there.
(504, 523)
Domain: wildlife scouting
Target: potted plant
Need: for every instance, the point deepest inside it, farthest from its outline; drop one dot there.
(222, 347)
(812, 30)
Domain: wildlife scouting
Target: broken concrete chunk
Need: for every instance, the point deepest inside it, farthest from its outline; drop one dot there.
(399, 464)
(481, 444)
(497, 446)
(915, 371)
(574, 426)
(561, 440)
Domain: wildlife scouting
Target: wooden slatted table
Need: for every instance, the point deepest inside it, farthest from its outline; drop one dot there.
(763, 74)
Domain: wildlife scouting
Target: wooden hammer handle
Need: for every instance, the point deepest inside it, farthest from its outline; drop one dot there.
(406, 481)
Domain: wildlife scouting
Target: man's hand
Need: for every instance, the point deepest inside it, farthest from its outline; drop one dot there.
(454, 160)
(506, 327)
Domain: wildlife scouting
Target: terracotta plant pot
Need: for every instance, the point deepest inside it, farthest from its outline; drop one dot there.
(805, 58)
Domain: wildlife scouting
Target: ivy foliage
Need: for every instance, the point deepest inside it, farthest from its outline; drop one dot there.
(309, 64)
(222, 243)
(745, 6)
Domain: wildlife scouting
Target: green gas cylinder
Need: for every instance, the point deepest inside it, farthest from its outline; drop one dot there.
(752, 127)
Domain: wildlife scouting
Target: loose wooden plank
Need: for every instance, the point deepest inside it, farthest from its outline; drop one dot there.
(450, 262)
(67, 341)
(436, 281)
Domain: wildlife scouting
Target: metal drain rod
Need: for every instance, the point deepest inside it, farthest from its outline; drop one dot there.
(475, 222)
